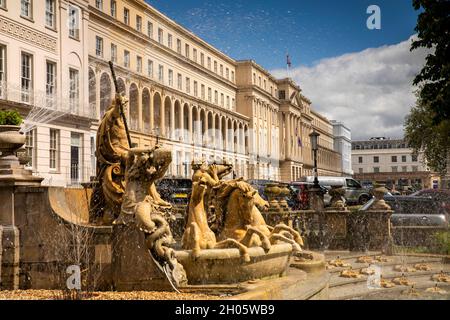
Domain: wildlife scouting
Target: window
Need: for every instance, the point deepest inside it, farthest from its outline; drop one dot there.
(188, 85)
(228, 102)
(74, 17)
(259, 78)
(233, 103)
(150, 68)
(74, 90)
(222, 100)
(113, 8)
(209, 95)
(50, 13)
(160, 36)
(376, 169)
(232, 76)
(194, 54)
(54, 149)
(180, 82)
(26, 76)
(202, 59)
(221, 70)
(161, 73)
(30, 140)
(376, 159)
(403, 158)
(2, 69)
(126, 58)
(113, 52)
(3, 4)
(170, 78)
(404, 169)
(99, 4)
(98, 46)
(150, 30)
(195, 89)
(50, 83)
(169, 41)
(394, 169)
(282, 95)
(227, 73)
(415, 168)
(254, 78)
(179, 46)
(360, 159)
(139, 23)
(203, 92)
(26, 9)
(187, 51)
(215, 66)
(209, 63)
(361, 170)
(138, 64)
(216, 97)
(126, 16)
(414, 158)
(394, 158)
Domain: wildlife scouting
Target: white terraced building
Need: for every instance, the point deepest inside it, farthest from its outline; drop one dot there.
(181, 90)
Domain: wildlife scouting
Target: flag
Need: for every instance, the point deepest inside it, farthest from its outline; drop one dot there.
(288, 61)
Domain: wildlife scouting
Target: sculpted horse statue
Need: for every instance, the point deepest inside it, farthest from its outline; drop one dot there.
(240, 219)
(197, 235)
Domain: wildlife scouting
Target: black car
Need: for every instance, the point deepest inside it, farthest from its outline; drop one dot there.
(175, 191)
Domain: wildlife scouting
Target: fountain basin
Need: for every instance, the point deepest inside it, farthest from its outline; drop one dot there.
(220, 266)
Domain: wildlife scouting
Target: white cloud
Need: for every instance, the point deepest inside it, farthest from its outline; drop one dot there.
(370, 91)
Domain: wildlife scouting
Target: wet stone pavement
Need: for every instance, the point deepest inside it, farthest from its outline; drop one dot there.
(406, 276)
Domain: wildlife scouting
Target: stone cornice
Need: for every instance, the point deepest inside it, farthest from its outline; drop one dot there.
(27, 34)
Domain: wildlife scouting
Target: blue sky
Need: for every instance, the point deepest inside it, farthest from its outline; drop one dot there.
(309, 30)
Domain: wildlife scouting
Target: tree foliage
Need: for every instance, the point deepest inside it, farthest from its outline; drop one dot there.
(427, 127)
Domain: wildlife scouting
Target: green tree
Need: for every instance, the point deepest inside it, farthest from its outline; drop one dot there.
(427, 127)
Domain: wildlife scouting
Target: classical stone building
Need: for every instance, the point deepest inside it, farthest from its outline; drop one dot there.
(343, 145)
(182, 91)
(391, 162)
(43, 75)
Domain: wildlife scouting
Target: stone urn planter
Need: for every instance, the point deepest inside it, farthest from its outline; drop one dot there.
(11, 139)
(283, 194)
(272, 191)
(379, 203)
(337, 194)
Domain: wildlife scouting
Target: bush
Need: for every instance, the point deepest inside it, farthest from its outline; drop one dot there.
(10, 117)
(443, 242)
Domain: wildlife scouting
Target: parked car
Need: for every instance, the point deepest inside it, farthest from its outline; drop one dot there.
(175, 191)
(439, 195)
(354, 192)
(299, 198)
(413, 211)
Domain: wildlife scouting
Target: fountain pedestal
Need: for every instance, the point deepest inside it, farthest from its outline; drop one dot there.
(12, 175)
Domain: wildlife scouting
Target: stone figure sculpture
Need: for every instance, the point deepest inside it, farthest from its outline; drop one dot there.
(112, 154)
(139, 207)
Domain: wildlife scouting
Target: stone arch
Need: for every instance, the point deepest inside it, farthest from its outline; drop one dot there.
(186, 114)
(134, 107)
(105, 93)
(121, 87)
(92, 92)
(194, 124)
(157, 102)
(167, 117)
(217, 133)
(146, 110)
(224, 133)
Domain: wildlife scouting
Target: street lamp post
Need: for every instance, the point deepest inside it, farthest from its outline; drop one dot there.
(314, 146)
